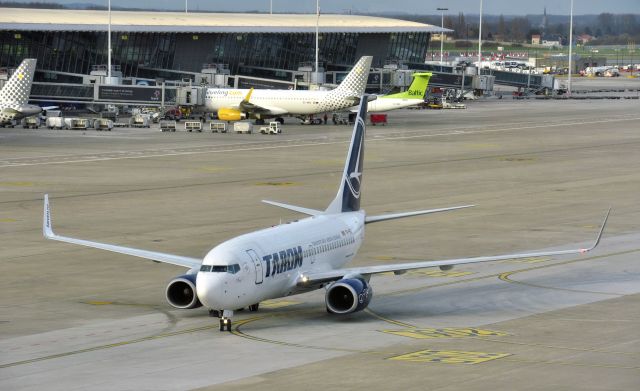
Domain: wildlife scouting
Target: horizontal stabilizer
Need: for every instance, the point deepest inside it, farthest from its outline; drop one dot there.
(392, 216)
(307, 211)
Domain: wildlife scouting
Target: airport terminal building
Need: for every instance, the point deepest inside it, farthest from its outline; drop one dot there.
(156, 44)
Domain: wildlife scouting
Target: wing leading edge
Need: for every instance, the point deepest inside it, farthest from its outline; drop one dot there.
(311, 279)
(47, 230)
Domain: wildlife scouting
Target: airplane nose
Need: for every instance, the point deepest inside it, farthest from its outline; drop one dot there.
(207, 290)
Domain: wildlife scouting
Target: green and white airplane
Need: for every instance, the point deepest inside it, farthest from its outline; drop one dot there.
(411, 97)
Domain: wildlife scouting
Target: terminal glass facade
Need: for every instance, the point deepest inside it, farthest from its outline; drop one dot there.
(148, 54)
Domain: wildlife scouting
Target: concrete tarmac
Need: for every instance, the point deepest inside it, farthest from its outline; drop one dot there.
(542, 174)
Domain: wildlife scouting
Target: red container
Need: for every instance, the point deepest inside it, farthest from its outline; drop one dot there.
(378, 119)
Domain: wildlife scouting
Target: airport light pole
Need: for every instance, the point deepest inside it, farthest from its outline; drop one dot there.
(480, 40)
(270, 7)
(442, 32)
(109, 46)
(317, 35)
(186, 6)
(570, 47)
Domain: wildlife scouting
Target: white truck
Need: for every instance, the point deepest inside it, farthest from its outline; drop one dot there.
(272, 128)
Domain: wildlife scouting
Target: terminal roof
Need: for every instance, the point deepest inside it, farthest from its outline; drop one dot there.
(149, 21)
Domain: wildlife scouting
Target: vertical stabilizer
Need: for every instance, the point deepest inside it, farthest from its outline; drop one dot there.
(356, 81)
(348, 197)
(417, 89)
(348, 93)
(17, 89)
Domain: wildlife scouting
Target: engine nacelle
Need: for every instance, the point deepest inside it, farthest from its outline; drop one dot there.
(181, 292)
(444, 268)
(348, 295)
(231, 115)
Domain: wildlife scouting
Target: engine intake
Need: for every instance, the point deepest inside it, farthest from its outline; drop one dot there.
(181, 292)
(348, 295)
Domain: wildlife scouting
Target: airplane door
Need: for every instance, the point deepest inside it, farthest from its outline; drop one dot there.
(257, 263)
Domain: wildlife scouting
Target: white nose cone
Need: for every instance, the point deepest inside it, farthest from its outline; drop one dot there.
(207, 292)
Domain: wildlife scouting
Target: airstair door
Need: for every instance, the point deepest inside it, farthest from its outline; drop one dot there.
(257, 263)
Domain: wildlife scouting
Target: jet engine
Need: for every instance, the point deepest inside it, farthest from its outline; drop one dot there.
(181, 292)
(348, 295)
(231, 115)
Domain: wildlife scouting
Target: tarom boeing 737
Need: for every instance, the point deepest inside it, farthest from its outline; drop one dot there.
(293, 258)
(238, 104)
(411, 97)
(14, 96)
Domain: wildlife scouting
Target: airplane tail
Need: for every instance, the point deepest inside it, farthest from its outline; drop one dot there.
(356, 81)
(417, 89)
(348, 197)
(18, 87)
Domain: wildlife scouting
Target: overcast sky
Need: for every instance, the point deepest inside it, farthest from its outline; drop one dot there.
(496, 7)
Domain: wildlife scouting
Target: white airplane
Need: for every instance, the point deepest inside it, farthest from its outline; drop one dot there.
(293, 258)
(14, 96)
(238, 104)
(414, 95)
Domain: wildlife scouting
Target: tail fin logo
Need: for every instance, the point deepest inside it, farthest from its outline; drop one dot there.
(353, 178)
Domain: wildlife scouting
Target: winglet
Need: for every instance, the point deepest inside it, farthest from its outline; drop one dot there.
(604, 223)
(47, 229)
(246, 99)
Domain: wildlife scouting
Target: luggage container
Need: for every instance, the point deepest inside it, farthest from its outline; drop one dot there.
(378, 119)
(140, 121)
(103, 124)
(54, 122)
(168, 126)
(77, 123)
(243, 127)
(190, 126)
(31, 122)
(216, 127)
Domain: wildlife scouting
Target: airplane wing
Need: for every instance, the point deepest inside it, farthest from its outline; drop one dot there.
(311, 279)
(253, 108)
(47, 230)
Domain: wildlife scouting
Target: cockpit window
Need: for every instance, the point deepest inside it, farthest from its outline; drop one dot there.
(231, 269)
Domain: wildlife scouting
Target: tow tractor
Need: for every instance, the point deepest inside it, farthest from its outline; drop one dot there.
(272, 128)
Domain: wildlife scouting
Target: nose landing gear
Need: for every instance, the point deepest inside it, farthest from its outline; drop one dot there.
(225, 319)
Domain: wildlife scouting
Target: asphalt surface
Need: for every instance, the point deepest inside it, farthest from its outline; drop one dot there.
(542, 174)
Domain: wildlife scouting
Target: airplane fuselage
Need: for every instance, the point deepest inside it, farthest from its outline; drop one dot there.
(279, 102)
(387, 104)
(267, 264)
